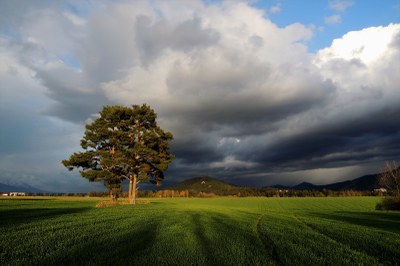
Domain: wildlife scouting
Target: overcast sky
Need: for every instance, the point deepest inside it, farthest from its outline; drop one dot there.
(255, 92)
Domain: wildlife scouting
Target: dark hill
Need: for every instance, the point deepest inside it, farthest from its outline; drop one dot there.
(367, 182)
(305, 186)
(19, 188)
(205, 184)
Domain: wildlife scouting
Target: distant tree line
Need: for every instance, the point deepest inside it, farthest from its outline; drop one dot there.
(244, 192)
(239, 192)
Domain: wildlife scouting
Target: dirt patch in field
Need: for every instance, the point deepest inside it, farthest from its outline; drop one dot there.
(104, 204)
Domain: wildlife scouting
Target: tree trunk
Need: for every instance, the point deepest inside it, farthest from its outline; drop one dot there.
(130, 189)
(134, 189)
(113, 196)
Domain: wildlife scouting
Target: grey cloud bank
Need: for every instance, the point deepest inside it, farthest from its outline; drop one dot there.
(244, 98)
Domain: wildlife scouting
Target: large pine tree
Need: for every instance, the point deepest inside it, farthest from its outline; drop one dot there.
(123, 143)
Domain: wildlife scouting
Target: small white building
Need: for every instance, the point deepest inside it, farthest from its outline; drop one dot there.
(17, 194)
(4, 194)
(380, 190)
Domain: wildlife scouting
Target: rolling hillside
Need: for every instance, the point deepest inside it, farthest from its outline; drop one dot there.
(205, 184)
(213, 185)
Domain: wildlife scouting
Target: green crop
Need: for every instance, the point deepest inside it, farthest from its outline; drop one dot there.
(217, 231)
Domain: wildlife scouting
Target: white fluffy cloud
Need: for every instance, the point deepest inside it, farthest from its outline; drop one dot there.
(340, 5)
(334, 19)
(363, 65)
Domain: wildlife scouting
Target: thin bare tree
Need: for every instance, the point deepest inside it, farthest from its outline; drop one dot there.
(390, 177)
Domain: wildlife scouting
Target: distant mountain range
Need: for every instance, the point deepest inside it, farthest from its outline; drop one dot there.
(213, 185)
(367, 182)
(20, 188)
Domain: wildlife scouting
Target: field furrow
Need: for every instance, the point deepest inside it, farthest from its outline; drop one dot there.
(269, 245)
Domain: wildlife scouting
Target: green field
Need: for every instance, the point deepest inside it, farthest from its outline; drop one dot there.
(218, 231)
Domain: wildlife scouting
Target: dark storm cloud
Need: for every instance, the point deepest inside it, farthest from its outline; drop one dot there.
(337, 143)
(153, 37)
(195, 152)
(72, 100)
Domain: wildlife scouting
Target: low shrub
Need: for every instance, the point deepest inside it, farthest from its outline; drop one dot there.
(389, 203)
(103, 204)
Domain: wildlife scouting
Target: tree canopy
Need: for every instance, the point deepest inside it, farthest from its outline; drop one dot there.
(123, 143)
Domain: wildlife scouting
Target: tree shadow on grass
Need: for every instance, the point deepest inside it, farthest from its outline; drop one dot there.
(225, 241)
(15, 217)
(126, 248)
(205, 243)
(156, 202)
(389, 221)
